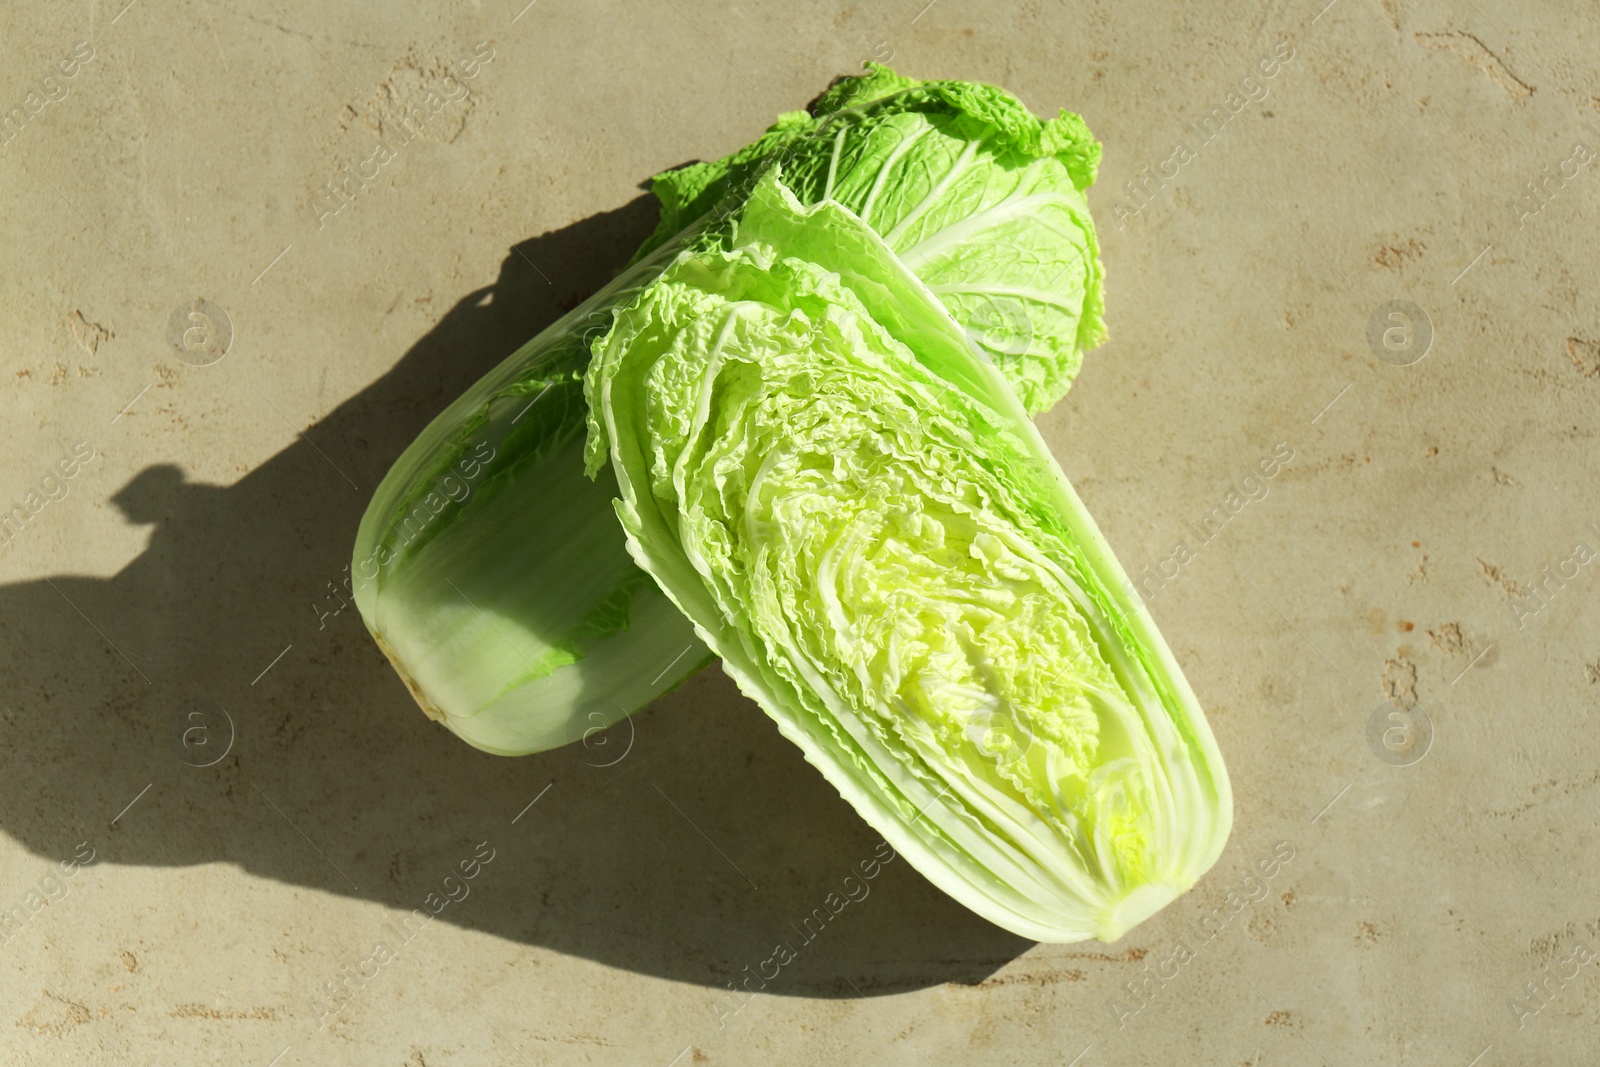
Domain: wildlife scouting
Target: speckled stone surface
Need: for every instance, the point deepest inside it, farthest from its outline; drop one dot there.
(1376, 264)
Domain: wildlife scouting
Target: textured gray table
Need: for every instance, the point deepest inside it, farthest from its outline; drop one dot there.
(1423, 560)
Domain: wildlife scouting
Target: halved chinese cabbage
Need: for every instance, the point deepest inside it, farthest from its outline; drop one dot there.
(853, 508)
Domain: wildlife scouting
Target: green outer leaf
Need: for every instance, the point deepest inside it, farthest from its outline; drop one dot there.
(491, 571)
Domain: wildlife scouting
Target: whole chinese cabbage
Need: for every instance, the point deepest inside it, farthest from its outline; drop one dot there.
(856, 513)
(493, 574)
